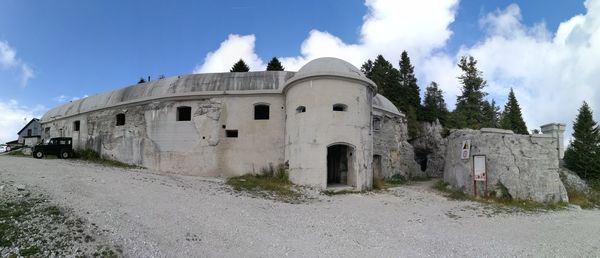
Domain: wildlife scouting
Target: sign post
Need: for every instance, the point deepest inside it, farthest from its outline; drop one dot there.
(479, 173)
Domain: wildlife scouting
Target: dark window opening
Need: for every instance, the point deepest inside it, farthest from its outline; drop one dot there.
(76, 126)
(261, 112)
(340, 107)
(421, 157)
(231, 133)
(301, 109)
(29, 132)
(184, 113)
(376, 123)
(120, 119)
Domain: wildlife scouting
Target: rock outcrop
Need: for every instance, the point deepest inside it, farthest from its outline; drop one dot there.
(430, 149)
(526, 165)
(392, 154)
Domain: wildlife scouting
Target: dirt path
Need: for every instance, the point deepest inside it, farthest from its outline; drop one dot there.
(179, 216)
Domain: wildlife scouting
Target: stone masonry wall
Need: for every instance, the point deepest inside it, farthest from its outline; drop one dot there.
(527, 165)
(391, 143)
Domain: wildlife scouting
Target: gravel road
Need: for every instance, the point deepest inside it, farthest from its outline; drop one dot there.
(152, 215)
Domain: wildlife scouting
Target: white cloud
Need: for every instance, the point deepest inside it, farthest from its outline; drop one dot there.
(10, 63)
(14, 116)
(384, 31)
(229, 52)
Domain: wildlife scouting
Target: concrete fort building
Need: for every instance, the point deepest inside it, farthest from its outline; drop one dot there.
(322, 122)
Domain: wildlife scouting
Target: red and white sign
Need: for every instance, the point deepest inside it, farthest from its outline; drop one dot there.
(465, 150)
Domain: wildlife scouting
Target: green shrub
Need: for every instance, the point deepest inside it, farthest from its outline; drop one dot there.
(271, 183)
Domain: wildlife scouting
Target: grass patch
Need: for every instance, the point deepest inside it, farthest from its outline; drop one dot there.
(586, 200)
(95, 157)
(30, 226)
(504, 201)
(29, 251)
(17, 153)
(340, 192)
(395, 180)
(270, 184)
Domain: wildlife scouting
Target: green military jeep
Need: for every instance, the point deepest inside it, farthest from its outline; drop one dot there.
(62, 147)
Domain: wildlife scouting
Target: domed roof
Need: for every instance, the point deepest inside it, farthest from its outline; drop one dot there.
(330, 66)
(381, 102)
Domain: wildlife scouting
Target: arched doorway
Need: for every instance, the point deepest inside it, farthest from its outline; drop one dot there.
(339, 165)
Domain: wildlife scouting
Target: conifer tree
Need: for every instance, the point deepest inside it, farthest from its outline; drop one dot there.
(583, 154)
(511, 117)
(491, 114)
(385, 76)
(434, 106)
(240, 66)
(274, 65)
(468, 111)
(409, 92)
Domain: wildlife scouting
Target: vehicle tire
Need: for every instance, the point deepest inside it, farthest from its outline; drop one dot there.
(38, 154)
(65, 154)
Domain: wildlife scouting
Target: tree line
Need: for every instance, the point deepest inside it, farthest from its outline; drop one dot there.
(472, 109)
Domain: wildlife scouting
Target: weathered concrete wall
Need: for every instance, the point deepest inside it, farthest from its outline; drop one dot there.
(151, 136)
(308, 134)
(390, 143)
(430, 149)
(526, 165)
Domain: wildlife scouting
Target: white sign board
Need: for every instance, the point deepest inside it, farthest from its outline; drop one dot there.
(479, 168)
(465, 149)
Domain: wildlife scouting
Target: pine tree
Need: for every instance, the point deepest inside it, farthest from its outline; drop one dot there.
(409, 92)
(583, 154)
(491, 114)
(367, 68)
(511, 117)
(412, 123)
(385, 77)
(434, 106)
(240, 66)
(468, 111)
(274, 65)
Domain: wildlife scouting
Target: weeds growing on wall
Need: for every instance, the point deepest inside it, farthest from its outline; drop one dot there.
(504, 201)
(95, 157)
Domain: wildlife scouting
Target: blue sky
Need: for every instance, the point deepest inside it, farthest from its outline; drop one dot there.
(79, 48)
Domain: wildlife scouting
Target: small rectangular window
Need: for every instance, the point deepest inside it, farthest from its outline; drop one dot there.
(120, 119)
(340, 107)
(261, 112)
(231, 133)
(376, 123)
(184, 113)
(76, 126)
(28, 132)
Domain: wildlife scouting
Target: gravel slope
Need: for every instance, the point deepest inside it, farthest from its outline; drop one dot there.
(180, 216)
